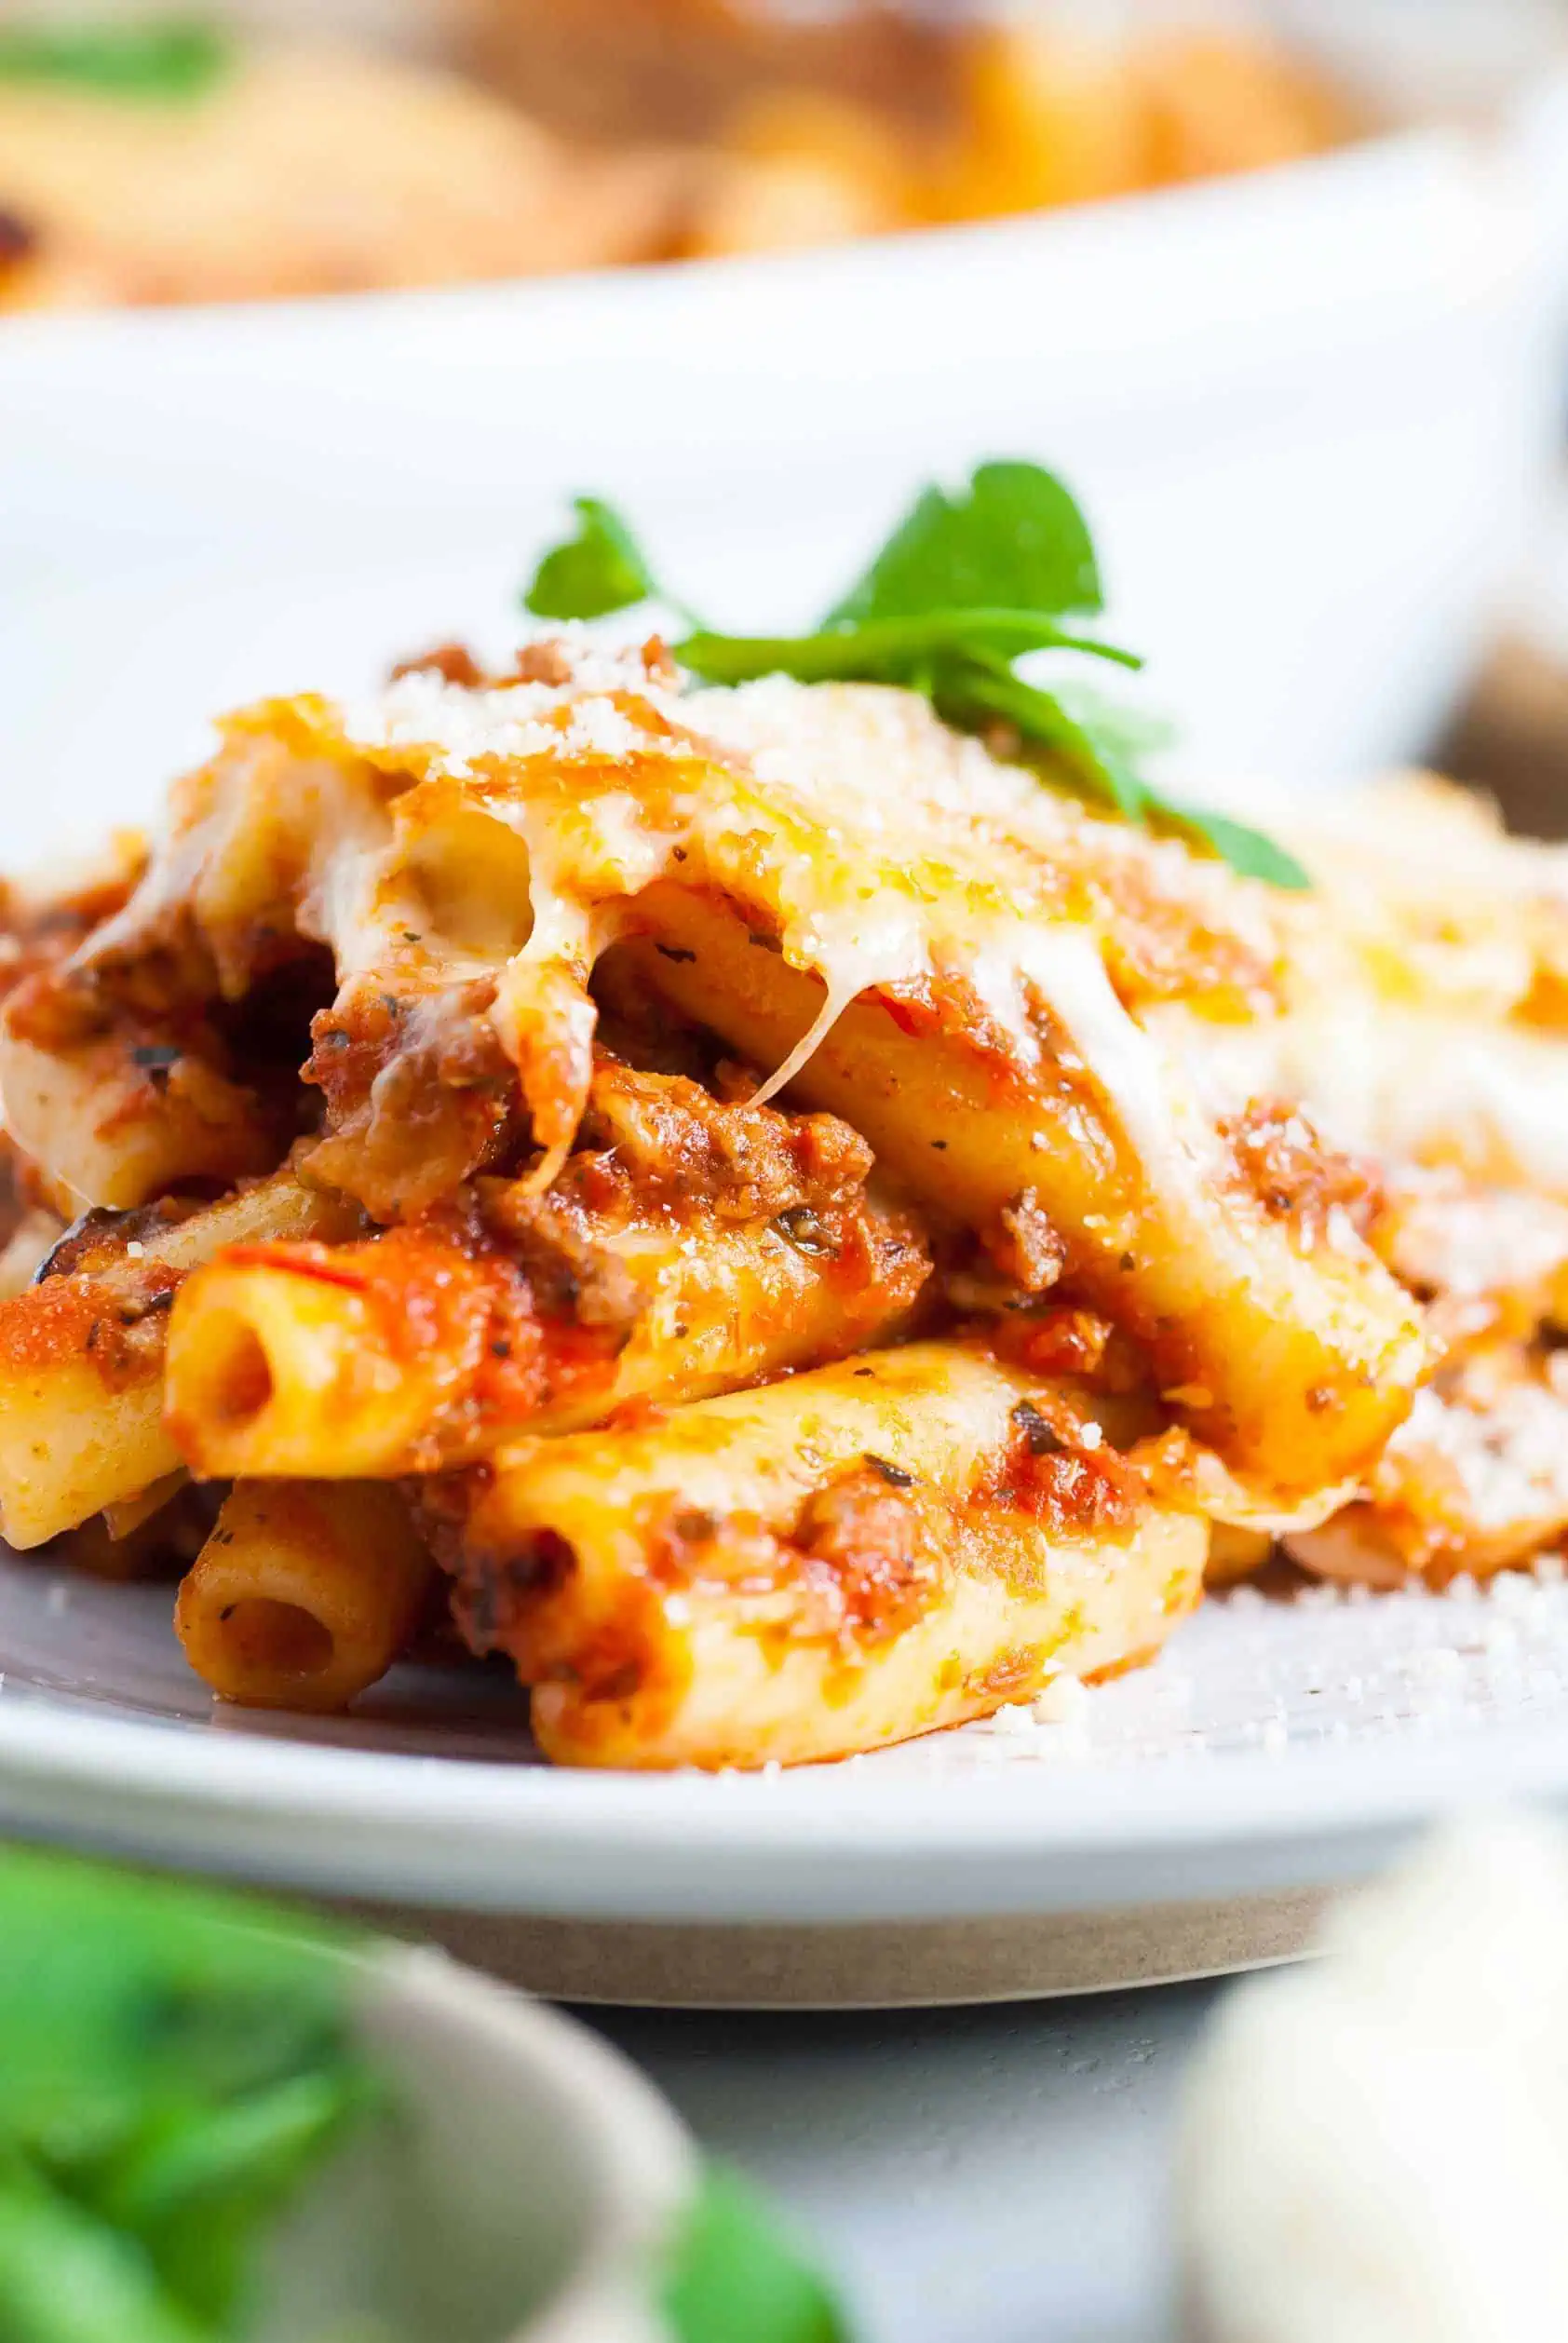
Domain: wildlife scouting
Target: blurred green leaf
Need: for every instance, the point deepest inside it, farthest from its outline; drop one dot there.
(599, 570)
(177, 58)
(172, 2063)
(1247, 850)
(67, 2276)
(735, 2277)
(200, 2188)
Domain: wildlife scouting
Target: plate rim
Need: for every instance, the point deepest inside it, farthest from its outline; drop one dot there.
(834, 1844)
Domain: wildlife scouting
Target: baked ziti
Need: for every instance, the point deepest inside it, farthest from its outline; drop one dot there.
(775, 1205)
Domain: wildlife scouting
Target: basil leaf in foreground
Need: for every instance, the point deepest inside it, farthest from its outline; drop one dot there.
(970, 583)
(599, 570)
(205, 2185)
(1013, 539)
(733, 2275)
(161, 58)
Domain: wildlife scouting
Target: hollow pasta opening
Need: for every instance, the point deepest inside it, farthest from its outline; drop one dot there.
(470, 882)
(241, 1382)
(277, 1639)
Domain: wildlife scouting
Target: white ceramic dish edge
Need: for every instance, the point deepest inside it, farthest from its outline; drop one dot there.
(1255, 384)
(830, 1845)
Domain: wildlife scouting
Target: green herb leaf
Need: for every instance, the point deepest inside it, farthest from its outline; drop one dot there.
(198, 2189)
(67, 2276)
(969, 583)
(172, 2063)
(1119, 728)
(1245, 849)
(734, 2277)
(175, 58)
(973, 698)
(1100, 740)
(889, 650)
(599, 570)
(118, 1992)
(1014, 539)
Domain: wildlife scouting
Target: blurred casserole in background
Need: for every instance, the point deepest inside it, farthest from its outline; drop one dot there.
(172, 165)
(153, 161)
(852, 120)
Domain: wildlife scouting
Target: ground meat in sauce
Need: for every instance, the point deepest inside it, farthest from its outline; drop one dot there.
(420, 1095)
(35, 936)
(453, 662)
(1027, 1247)
(1295, 1177)
(560, 1239)
(868, 1553)
(745, 1162)
(1049, 1472)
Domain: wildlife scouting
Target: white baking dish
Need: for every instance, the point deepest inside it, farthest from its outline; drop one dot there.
(1311, 410)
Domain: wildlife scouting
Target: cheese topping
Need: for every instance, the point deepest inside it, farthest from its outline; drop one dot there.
(469, 855)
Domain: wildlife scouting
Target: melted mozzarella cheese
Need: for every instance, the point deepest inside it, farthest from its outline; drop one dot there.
(884, 849)
(1410, 1084)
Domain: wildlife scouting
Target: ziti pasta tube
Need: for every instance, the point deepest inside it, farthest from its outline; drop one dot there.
(164, 1529)
(1290, 1351)
(427, 1347)
(305, 1593)
(82, 1350)
(1476, 1480)
(837, 1560)
(847, 893)
(693, 1245)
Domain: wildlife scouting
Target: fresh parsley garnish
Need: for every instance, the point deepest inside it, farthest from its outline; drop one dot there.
(969, 583)
(159, 58)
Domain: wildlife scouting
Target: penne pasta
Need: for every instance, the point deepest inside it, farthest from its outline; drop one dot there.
(127, 1118)
(130, 1514)
(304, 1594)
(1234, 1552)
(699, 1245)
(82, 1352)
(427, 1348)
(1005, 964)
(1290, 1354)
(838, 1561)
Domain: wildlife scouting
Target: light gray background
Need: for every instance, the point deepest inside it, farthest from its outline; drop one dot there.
(994, 2175)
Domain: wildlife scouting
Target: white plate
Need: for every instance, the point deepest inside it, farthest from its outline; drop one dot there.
(1310, 411)
(1277, 1745)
